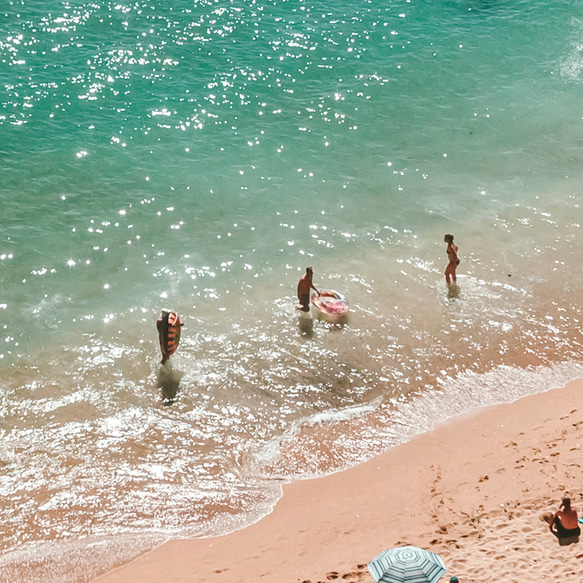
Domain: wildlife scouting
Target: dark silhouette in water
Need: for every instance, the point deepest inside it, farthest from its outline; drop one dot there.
(306, 324)
(453, 292)
(169, 383)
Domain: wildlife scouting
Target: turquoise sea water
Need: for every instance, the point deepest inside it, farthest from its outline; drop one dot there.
(199, 156)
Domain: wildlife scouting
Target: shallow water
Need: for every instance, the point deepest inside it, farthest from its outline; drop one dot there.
(199, 156)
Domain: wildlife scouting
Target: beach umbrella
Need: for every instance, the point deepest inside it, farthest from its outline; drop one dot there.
(406, 565)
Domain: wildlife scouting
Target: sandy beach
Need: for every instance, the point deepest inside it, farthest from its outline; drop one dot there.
(473, 490)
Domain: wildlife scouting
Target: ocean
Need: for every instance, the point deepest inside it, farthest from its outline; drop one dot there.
(198, 156)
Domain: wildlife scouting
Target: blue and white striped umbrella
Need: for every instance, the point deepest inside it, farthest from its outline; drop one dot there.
(406, 565)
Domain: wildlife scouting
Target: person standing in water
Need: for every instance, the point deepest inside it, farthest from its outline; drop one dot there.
(454, 260)
(304, 286)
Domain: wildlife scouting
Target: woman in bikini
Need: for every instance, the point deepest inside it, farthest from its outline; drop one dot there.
(454, 260)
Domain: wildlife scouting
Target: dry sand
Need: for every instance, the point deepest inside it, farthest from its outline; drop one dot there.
(473, 490)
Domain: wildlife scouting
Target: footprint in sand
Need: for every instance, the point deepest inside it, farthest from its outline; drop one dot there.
(356, 576)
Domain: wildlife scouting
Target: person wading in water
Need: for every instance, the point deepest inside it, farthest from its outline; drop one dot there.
(304, 286)
(454, 260)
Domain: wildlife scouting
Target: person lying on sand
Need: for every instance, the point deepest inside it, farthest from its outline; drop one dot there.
(564, 524)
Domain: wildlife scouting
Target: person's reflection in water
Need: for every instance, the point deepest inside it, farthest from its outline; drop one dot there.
(306, 324)
(169, 382)
(453, 292)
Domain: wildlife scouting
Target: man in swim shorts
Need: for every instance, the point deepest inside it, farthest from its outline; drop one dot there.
(454, 260)
(304, 286)
(564, 523)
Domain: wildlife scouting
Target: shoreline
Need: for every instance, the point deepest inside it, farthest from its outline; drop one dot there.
(473, 490)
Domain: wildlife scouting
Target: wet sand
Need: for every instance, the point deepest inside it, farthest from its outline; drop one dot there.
(473, 490)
